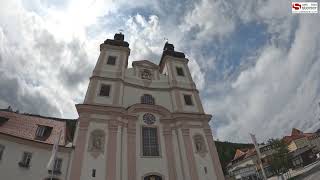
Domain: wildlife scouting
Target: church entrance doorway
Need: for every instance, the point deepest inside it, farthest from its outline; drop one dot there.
(152, 177)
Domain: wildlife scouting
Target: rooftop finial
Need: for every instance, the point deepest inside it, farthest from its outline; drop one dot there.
(121, 31)
(119, 36)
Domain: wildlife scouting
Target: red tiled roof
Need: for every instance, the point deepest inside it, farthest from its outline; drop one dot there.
(296, 134)
(238, 154)
(244, 153)
(251, 152)
(25, 126)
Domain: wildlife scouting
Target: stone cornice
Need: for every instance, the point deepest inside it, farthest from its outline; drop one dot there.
(168, 88)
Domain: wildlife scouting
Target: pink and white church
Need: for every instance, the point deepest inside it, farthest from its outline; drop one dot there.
(142, 123)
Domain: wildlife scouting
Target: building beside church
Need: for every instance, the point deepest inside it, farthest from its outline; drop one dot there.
(302, 148)
(26, 144)
(141, 123)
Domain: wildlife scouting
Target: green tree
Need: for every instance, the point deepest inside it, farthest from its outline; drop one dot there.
(280, 160)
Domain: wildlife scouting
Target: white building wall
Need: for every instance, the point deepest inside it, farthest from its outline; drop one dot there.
(133, 95)
(12, 155)
(205, 161)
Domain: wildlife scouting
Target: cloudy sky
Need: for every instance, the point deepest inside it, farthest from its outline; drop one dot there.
(257, 65)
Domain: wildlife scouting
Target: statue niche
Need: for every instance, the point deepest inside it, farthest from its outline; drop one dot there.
(96, 142)
(200, 145)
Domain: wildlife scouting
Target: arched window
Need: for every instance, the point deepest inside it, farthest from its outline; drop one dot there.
(152, 177)
(147, 99)
(200, 144)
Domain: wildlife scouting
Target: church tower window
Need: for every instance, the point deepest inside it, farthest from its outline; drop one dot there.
(105, 90)
(180, 71)
(111, 60)
(188, 100)
(150, 144)
(147, 99)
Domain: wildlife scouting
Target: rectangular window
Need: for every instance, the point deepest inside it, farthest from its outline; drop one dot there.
(57, 165)
(150, 141)
(1, 150)
(105, 90)
(93, 174)
(111, 60)
(26, 159)
(188, 100)
(180, 71)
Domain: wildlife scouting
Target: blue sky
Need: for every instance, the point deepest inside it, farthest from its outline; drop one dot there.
(256, 64)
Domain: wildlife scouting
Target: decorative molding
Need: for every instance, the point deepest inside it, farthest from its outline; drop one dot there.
(185, 131)
(215, 158)
(131, 149)
(169, 88)
(167, 132)
(190, 155)
(76, 166)
(112, 151)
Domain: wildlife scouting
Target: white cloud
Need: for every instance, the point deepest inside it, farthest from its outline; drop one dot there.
(280, 92)
(145, 37)
(211, 19)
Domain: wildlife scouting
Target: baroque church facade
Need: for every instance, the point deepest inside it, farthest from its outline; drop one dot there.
(142, 123)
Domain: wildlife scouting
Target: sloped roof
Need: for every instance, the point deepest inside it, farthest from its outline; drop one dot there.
(238, 154)
(25, 125)
(244, 153)
(297, 134)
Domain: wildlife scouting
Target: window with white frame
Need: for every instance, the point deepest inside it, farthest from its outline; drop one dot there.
(57, 165)
(150, 146)
(26, 159)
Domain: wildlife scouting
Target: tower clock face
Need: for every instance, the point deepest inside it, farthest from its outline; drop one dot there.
(149, 118)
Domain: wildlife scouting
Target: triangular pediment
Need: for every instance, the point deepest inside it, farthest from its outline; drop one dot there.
(145, 64)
